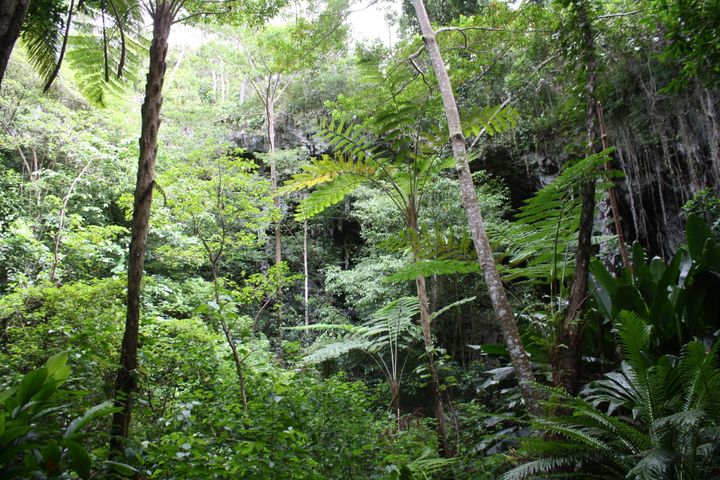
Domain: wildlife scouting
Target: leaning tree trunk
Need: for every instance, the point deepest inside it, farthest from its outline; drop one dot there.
(567, 357)
(126, 382)
(445, 447)
(12, 15)
(496, 290)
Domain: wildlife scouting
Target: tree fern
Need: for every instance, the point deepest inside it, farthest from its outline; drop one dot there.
(539, 245)
(103, 43)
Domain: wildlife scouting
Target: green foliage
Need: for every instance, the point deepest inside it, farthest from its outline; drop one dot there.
(389, 328)
(32, 440)
(539, 245)
(691, 38)
(706, 205)
(675, 298)
(673, 430)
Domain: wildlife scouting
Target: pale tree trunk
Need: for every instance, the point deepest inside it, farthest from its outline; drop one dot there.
(496, 290)
(126, 382)
(12, 15)
(61, 220)
(270, 118)
(425, 324)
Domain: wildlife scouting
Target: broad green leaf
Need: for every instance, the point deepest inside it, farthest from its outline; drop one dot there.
(79, 458)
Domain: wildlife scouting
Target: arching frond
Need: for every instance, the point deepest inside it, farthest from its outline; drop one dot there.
(540, 244)
(490, 120)
(427, 268)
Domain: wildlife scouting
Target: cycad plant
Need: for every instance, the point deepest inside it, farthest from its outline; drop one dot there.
(401, 166)
(655, 418)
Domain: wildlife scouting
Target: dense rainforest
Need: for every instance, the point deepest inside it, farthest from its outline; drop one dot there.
(481, 244)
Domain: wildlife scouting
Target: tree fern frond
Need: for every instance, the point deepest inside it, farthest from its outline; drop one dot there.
(336, 348)
(427, 268)
(42, 34)
(491, 120)
(449, 307)
(327, 195)
(87, 59)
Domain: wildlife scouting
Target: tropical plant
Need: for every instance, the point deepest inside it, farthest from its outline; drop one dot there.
(539, 245)
(383, 337)
(33, 443)
(401, 171)
(101, 53)
(677, 298)
(658, 419)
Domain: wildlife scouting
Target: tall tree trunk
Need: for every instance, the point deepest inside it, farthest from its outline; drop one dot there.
(306, 296)
(567, 358)
(126, 382)
(270, 117)
(12, 15)
(612, 195)
(496, 290)
(421, 288)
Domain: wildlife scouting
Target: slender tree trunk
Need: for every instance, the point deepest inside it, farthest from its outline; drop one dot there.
(270, 117)
(61, 220)
(307, 276)
(12, 15)
(421, 288)
(567, 358)
(612, 196)
(496, 290)
(126, 382)
(229, 337)
(395, 401)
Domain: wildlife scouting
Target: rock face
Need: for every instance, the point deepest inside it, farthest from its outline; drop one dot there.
(288, 135)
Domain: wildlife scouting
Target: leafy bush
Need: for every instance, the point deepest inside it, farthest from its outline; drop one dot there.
(37, 439)
(660, 421)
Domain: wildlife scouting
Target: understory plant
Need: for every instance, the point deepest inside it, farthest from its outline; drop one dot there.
(654, 418)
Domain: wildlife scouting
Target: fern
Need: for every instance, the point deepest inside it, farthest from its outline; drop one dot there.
(100, 56)
(490, 120)
(673, 433)
(539, 245)
(426, 268)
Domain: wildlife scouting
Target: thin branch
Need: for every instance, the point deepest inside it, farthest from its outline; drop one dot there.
(619, 14)
(56, 70)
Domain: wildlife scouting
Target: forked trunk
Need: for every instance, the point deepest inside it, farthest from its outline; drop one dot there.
(496, 290)
(12, 15)
(126, 382)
